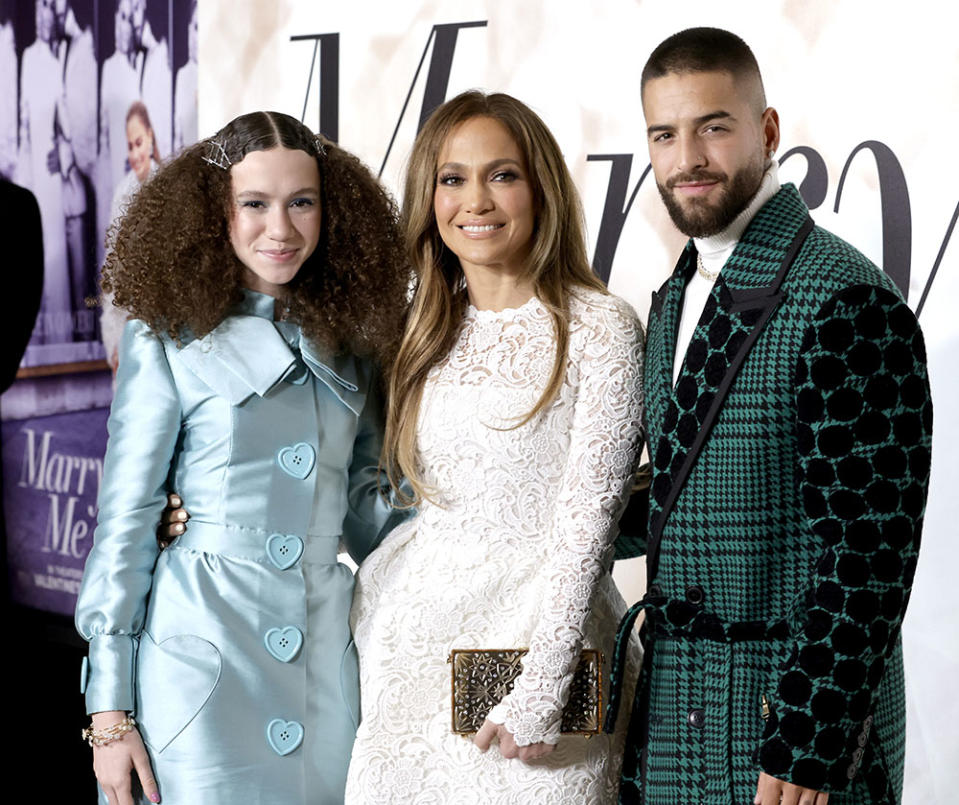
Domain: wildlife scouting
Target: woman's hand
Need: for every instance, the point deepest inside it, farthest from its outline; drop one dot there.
(113, 762)
(771, 791)
(507, 746)
(172, 521)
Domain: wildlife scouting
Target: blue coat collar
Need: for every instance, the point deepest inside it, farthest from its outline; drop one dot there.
(246, 354)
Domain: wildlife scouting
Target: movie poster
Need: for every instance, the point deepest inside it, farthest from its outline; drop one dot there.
(94, 96)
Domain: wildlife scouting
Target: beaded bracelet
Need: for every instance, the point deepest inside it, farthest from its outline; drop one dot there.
(109, 734)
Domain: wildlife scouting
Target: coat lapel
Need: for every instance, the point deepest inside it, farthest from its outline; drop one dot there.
(242, 356)
(742, 301)
(247, 354)
(662, 328)
(347, 376)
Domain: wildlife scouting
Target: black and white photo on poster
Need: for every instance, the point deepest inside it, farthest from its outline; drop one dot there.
(87, 88)
(94, 95)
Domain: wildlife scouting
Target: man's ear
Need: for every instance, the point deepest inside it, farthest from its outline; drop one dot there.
(770, 127)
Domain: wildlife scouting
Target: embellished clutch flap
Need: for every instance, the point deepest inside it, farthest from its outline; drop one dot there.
(481, 678)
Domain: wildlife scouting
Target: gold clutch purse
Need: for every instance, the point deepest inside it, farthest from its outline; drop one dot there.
(482, 677)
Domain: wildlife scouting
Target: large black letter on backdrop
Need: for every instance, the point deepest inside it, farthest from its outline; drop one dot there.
(896, 213)
(437, 79)
(935, 267)
(328, 46)
(615, 209)
(813, 187)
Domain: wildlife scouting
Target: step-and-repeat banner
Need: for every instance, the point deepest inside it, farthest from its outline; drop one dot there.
(867, 95)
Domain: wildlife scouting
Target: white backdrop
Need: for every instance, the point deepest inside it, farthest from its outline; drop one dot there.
(840, 72)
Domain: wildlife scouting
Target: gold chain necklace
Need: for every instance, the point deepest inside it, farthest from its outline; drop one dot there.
(704, 272)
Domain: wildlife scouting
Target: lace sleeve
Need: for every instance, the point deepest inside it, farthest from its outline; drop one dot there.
(604, 378)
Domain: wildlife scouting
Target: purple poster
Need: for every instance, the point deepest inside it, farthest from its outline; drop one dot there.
(95, 95)
(52, 468)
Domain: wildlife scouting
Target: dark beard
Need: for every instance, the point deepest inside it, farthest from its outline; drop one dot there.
(700, 219)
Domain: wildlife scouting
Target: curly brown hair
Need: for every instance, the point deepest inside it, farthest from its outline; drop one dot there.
(172, 264)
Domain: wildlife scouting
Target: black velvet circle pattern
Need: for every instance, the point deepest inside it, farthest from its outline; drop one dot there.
(708, 358)
(863, 430)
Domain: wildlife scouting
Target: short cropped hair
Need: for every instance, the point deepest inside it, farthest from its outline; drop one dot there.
(700, 50)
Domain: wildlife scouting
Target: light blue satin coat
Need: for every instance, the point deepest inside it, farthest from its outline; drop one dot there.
(201, 640)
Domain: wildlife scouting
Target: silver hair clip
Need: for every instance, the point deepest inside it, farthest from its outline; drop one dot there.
(216, 155)
(318, 142)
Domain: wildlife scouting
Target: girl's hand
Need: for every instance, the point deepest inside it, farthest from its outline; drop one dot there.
(507, 746)
(113, 763)
(172, 521)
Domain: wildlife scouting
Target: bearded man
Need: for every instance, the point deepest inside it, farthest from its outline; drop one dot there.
(789, 426)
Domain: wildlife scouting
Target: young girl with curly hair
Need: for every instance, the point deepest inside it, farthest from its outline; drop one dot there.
(264, 273)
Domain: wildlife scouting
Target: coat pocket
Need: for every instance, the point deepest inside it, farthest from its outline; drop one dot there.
(350, 682)
(754, 677)
(175, 678)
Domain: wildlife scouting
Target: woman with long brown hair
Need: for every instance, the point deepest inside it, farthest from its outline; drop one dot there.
(514, 407)
(263, 272)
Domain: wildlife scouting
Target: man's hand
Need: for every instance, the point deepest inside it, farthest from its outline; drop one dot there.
(53, 161)
(771, 791)
(172, 521)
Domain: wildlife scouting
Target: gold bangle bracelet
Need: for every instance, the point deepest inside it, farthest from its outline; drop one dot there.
(109, 734)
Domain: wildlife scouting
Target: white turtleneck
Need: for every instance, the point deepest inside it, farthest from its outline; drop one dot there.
(715, 251)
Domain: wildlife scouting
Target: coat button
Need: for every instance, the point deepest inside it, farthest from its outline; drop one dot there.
(654, 591)
(297, 461)
(697, 718)
(284, 736)
(851, 771)
(695, 595)
(284, 644)
(84, 674)
(283, 551)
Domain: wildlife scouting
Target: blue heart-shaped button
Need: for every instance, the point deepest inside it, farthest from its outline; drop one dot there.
(284, 550)
(284, 736)
(284, 644)
(297, 460)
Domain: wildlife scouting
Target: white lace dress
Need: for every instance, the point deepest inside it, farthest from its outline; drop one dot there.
(516, 555)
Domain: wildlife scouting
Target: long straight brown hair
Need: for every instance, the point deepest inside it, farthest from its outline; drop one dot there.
(556, 264)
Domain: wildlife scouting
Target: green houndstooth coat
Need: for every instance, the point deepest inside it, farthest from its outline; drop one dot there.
(790, 467)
